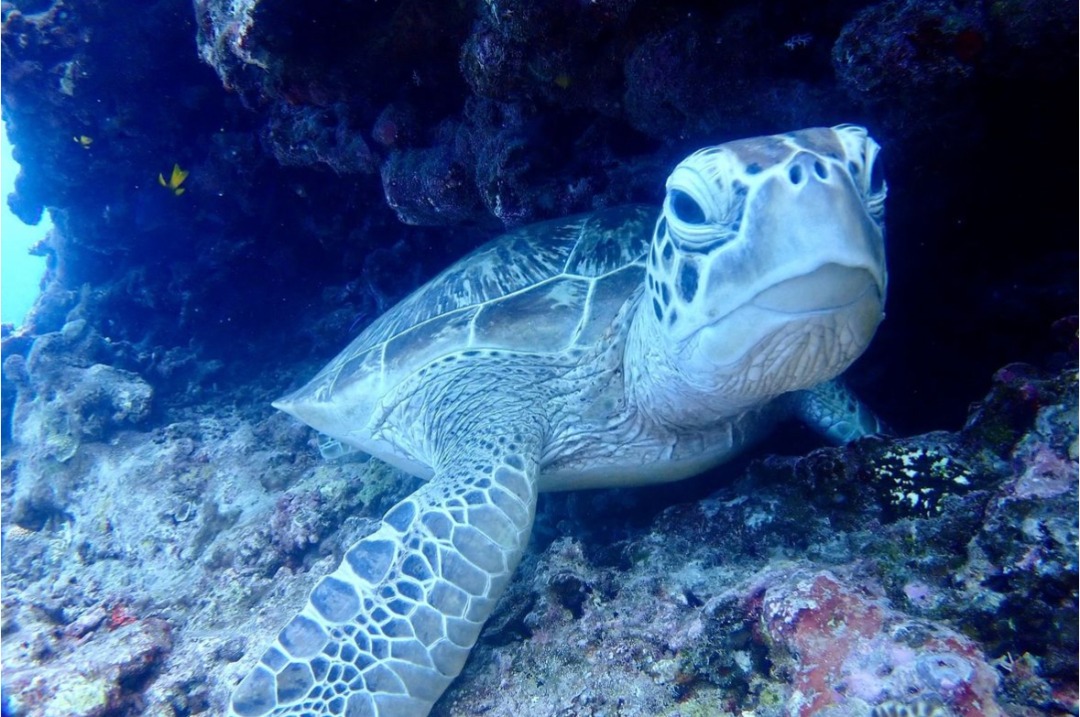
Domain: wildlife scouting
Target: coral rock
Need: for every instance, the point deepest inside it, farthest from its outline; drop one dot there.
(842, 644)
(103, 677)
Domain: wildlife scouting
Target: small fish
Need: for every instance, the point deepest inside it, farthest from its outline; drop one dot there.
(83, 141)
(175, 180)
(799, 42)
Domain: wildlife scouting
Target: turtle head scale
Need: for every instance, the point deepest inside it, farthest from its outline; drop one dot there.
(766, 273)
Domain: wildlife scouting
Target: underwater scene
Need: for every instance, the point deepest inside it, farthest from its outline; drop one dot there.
(542, 358)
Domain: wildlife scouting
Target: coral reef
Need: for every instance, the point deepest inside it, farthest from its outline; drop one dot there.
(60, 404)
(839, 645)
(98, 665)
(798, 586)
(310, 134)
(903, 51)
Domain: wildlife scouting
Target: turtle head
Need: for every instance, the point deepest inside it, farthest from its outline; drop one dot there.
(766, 272)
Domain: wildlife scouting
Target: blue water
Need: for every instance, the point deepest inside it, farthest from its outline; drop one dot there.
(20, 273)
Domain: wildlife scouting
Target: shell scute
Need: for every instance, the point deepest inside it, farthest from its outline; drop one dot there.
(610, 240)
(426, 341)
(608, 295)
(513, 262)
(543, 288)
(541, 316)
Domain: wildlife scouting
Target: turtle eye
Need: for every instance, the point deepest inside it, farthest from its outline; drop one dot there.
(685, 208)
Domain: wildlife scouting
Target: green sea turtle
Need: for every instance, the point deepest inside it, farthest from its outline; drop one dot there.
(612, 348)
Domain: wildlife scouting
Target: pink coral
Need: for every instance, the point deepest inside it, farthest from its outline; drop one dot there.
(843, 643)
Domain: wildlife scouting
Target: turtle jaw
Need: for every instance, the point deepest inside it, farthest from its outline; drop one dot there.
(750, 356)
(831, 287)
(791, 336)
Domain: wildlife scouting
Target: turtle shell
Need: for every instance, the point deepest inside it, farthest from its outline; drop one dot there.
(542, 289)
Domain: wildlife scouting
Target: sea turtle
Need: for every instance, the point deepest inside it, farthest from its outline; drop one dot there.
(611, 348)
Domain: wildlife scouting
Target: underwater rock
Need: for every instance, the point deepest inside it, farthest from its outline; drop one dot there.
(745, 593)
(916, 61)
(1024, 556)
(1028, 36)
(396, 125)
(64, 397)
(319, 55)
(430, 186)
(305, 136)
(92, 675)
(494, 65)
(807, 586)
(841, 644)
(567, 55)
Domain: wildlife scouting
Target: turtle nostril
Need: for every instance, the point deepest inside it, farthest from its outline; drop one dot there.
(820, 170)
(795, 174)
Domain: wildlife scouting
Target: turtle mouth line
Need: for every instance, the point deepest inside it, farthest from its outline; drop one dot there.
(826, 289)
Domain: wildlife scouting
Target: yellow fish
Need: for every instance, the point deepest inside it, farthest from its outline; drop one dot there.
(84, 141)
(175, 180)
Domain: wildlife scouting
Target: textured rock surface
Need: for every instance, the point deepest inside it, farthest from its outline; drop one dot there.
(61, 402)
(800, 586)
(311, 134)
(99, 669)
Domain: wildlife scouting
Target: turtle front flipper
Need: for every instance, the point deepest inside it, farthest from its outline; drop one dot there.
(832, 410)
(385, 633)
